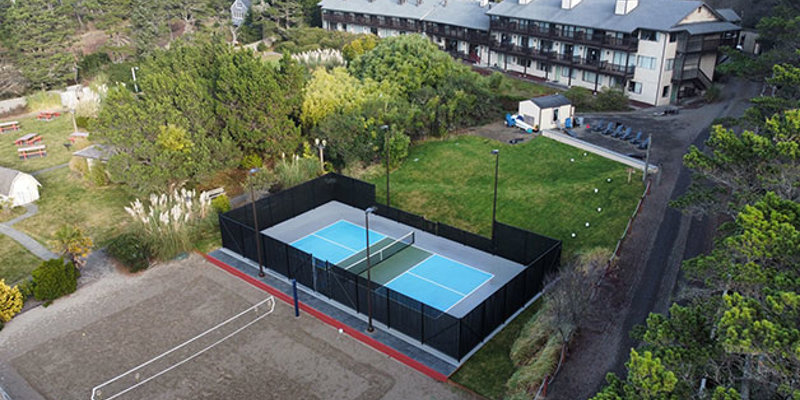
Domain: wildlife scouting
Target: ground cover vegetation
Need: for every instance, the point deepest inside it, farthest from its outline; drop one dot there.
(734, 333)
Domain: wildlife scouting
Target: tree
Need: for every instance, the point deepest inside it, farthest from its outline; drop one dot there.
(40, 41)
(647, 380)
(738, 168)
(357, 47)
(73, 243)
(10, 301)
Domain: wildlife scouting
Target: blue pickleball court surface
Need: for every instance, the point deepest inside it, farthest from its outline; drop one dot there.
(439, 282)
(337, 242)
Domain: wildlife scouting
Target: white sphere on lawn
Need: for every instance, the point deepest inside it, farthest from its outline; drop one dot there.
(571, 160)
(587, 224)
(573, 234)
(608, 180)
(585, 154)
(599, 209)
(596, 190)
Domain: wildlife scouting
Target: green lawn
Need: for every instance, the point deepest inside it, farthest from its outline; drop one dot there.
(54, 134)
(522, 89)
(7, 215)
(487, 371)
(540, 189)
(15, 261)
(67, 199)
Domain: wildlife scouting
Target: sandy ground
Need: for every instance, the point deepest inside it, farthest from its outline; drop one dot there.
(117, 321)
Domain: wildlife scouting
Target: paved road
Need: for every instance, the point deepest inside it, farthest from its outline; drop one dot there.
(661, 239)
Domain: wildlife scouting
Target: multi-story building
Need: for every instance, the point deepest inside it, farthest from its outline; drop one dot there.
(656, 50)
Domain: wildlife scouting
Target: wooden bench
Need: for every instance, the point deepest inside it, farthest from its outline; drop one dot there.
(48, 115)
(214, 193)
(77, 135)
(32, 151)
(9, 126)
(28, 139)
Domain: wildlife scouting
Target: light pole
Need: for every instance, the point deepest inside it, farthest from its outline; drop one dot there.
(321, 146)
(252, 173)
(496, 153)
(133, 74)
(385, 129)
(370, 328)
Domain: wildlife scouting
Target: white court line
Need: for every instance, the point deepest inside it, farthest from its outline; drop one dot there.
(334, 243)
(437, 284)
(469, 294)
(271, 309)
(324, 227)
(406, 271)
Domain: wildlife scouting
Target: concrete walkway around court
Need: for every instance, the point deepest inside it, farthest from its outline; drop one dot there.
(22, 238)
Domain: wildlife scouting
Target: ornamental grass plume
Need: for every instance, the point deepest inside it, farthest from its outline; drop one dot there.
(168, 218)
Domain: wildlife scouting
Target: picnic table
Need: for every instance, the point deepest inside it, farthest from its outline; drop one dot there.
(48, 115)
(32, 151)
(9, 126)
(77, 135)
(29, 139)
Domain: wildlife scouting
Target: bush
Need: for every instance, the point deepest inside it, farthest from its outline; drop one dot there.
(131, 250)
(97, 174)
(221, 203)
(93, 63)
(79, 165)
(10, 301)
(296, 171)
(26, 289)
(611, 100)
(581, 98)
(53, 279)
(41, 101)
(262, 47)
(251, 161)
(713, 94)
(82, 122)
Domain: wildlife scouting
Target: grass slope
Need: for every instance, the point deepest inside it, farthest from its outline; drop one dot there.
(66, 199)
(540, 189)
(54, 134)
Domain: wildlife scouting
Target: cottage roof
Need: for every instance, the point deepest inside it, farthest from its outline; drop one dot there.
(551, 101)
(7, 177)
(463, 13)
(729, 14)
(95, 152)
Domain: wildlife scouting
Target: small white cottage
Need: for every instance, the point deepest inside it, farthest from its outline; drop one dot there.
(547, 112)
(18, 186)
(239, 10)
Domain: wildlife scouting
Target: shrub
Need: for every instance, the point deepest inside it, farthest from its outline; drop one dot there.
(41, 101)
(398, 148)
(82, 122)
(131, 250)
(296, 171)
(713, 94)
(251, 161)
(79, 165)
(581, 98)
(93, 63)
(10, 301)
(611, 100)
(26, 288)
(221, 203)
(53, 279)
(262, 47)
(166, 223)
(97, 174)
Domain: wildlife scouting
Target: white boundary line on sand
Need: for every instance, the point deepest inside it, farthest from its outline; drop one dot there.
(95, 390)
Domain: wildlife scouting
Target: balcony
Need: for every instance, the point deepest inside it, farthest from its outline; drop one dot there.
(371, 21)
(628, 43)
(467, 35)
(704, 44)
(460, 55)
(564, 59)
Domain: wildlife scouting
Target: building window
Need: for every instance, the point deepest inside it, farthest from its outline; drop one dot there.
(543, 67)
(665, 91)
(669, 64)
(673, 37)
(635, 87)
(589, 76)
(513, 60)
(646, 62)
(528, 63)
(649, 35)
(615, 82)
(565, 72)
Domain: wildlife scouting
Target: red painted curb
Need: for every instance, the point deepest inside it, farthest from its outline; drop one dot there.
(356, 334)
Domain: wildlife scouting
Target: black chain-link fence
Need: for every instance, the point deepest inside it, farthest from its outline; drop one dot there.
(453, 336)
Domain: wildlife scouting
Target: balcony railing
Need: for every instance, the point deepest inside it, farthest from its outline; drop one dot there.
(626, 43)
(371, 21)
(564, 59)
(472, 36)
